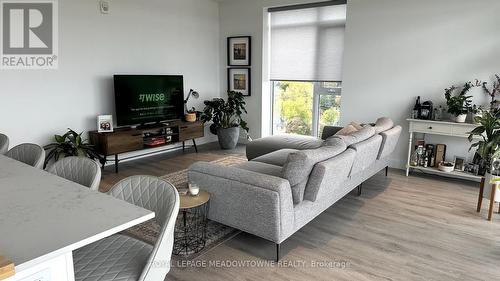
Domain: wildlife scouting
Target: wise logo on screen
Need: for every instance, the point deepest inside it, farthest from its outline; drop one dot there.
(29, 34)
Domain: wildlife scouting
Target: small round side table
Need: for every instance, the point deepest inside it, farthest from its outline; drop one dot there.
(191, 226)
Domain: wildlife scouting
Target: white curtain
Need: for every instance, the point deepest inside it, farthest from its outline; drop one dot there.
(308, 44)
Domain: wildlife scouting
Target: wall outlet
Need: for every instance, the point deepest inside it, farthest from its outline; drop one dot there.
(104, 7)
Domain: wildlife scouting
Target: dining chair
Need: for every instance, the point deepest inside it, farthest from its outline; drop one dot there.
(4, 144)
(121, 257)
(82, 170)
(28, 153)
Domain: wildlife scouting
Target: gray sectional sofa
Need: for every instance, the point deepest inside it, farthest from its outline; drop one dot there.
(289, 179)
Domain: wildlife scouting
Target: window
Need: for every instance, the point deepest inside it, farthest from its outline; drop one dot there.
(305, 107)
(306, 49)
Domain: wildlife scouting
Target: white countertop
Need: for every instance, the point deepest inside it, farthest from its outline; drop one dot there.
(43, 216)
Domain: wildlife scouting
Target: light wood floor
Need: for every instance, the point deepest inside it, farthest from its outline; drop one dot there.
(416, 228)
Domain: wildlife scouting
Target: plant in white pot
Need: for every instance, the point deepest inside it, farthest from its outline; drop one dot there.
(460, 104)
(226, 118)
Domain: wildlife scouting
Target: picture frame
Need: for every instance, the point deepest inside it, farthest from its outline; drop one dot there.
(105, 123)
(239, 80)
(459, 163)
(239, 50)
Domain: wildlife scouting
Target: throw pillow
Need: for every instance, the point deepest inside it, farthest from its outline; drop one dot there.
(347, 130)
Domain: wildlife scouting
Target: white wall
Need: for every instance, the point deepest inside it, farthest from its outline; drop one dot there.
(395, 50)
(399, 49)
(246, 17)
(137, 37)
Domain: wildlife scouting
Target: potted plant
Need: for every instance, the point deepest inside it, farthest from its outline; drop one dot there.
(458, 105)
(489, 139)
(495, 89)
(226, 118)
(70, 144)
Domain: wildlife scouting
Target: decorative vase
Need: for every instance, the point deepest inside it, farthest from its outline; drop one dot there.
(190, 117)
(460, 118)
(228, 138)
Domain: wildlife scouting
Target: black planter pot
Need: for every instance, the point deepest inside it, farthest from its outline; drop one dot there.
(228, 138)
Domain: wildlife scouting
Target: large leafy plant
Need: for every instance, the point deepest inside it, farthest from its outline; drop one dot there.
(225, 114)
(70, 144)
(489, 133)
(461, 103)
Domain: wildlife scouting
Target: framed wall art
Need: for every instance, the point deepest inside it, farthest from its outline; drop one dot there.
(238, 80)
(239, 51)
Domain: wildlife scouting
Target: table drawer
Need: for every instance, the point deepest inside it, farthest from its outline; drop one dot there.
(432, 128)
(462, 131)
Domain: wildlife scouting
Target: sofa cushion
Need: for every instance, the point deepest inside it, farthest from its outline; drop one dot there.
(334, 142)
(300, 164)
(277, 158)
(366, 153)
(356, 137)
(262, 168)
(389, 141)
(383, 124)
(266, 145)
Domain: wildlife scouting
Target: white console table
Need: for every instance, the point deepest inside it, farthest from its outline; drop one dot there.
(43, 218)
(443, 128)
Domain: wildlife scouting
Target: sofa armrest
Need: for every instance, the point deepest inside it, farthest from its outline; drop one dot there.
(270, 144)
(329, 131)
(255, 203)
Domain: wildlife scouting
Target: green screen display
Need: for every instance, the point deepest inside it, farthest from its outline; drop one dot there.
(142, 99)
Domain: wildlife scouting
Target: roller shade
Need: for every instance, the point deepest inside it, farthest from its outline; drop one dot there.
(307, 44)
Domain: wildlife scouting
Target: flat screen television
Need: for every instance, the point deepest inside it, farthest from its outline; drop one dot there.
(142, 99)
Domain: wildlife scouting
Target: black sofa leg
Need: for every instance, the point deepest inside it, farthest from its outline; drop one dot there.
(277, 252)
(386, 170)
(360, 187)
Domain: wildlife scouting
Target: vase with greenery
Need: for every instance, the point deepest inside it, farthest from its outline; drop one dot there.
(487, 136)
(70, 144)
(226, 117)
(458, 104)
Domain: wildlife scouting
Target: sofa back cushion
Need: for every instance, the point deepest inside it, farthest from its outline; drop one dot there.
(366, 153)
(300, 164)
(356, 137)
(390, 139)
(383, 124)
(326, 176)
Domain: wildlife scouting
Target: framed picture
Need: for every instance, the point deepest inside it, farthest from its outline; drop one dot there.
(239, 51)
(459, 163)
(238, 80)
(105, 123)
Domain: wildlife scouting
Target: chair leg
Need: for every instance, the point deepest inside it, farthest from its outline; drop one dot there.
(386, 170)
(277, 252)
(492, 202)
(360, 187)
(480, 198)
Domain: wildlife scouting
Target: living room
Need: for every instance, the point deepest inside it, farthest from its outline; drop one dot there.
(317, 164)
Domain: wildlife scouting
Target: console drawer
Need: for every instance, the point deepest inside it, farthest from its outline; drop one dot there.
(192, 131)
(462, 131)
(432, 128)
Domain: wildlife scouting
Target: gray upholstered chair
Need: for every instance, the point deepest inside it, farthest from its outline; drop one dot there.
(120, 257)
(4, 144)
(28, 153)
(81, 170)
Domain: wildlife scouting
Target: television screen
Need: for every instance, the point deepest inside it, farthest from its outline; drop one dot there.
(142, 99)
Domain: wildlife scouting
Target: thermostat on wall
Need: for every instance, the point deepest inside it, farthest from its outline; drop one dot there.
(104, 6)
